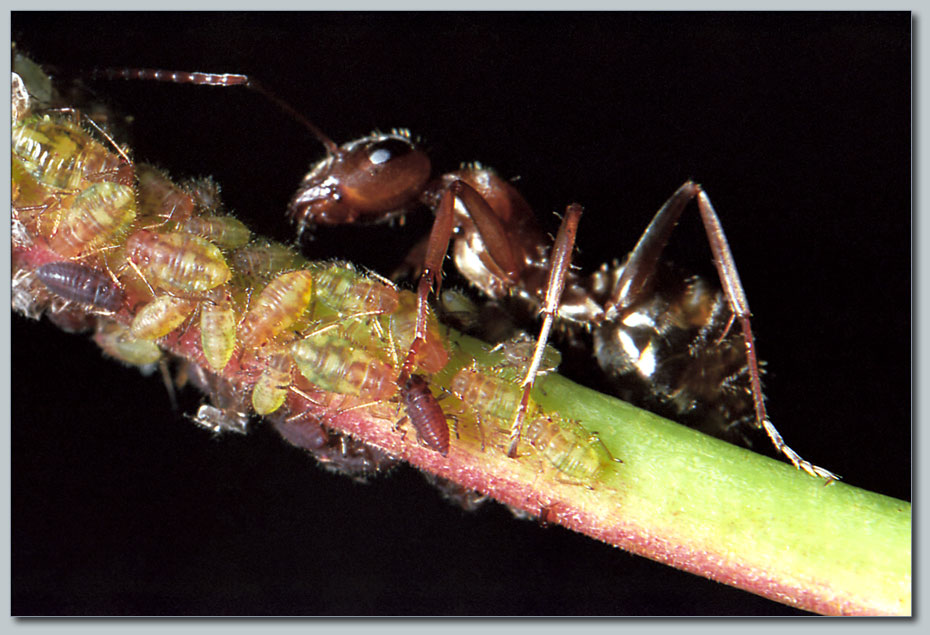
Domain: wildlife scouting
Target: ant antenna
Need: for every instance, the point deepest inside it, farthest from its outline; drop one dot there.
(216, 79)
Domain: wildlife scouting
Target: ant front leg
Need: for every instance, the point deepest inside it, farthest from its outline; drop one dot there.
(492, 232)
(559, 262)
(635, 283)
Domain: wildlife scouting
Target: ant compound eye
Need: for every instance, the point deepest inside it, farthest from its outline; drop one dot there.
(389, 149)
(381, 174)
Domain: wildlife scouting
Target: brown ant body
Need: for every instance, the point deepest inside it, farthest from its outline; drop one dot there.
(676, 339)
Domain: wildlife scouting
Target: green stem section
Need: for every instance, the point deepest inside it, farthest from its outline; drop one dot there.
(711, 508)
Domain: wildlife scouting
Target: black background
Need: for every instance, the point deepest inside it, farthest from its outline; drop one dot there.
(796, 124)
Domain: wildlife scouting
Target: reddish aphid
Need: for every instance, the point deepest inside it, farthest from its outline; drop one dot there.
(426, 415)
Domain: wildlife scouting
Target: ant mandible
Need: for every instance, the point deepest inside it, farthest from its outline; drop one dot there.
(499, 248)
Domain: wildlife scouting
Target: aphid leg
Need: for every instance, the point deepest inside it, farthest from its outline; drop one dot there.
(559, 262)
(169, 382)
(139, 273)
(637, 276)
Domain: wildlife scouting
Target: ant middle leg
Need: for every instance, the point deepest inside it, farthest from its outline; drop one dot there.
(559, 262)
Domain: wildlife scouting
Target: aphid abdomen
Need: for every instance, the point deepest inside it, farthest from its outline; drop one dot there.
(224, 231)
(345, 290)
(496, 397)
(178, 263)
(270, 391)
(160, 316)
(432, 356)
(281, 303)
(116, 341)
(567, 446)
(159, 197)
(96, 216)
(59, 153)
(426, 414)
(77, 283)
(217, 333)
(264, 258)
(342, 366)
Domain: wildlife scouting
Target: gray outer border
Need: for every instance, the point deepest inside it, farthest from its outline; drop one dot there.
(921, 237)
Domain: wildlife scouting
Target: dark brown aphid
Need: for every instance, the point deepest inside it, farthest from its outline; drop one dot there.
(426, 415)
(77, 283)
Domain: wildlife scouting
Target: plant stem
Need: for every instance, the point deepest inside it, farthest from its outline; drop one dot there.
(696, 503)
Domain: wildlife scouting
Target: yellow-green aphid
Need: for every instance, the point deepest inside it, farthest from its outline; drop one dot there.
(495, 396)
(97, 216)
(270, 391)
(60, 154)
(222, 230)
(159, 198)
(338, 365)
(345, 290)
(116, 341)
(568, 446)
(264, 258)
(178, 263)
(160, 316)
(281, 303)
(218, 333)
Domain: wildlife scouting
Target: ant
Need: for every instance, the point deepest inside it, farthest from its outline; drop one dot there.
(676, 338)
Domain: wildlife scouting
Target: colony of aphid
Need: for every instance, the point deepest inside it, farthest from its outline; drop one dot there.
(158, 267)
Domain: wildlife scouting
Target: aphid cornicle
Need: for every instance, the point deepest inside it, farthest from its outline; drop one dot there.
(77, 283)
(178, 263)
(425, 414)
(281, 303)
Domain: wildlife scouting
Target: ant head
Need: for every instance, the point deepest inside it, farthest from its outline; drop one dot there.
(370, 179)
